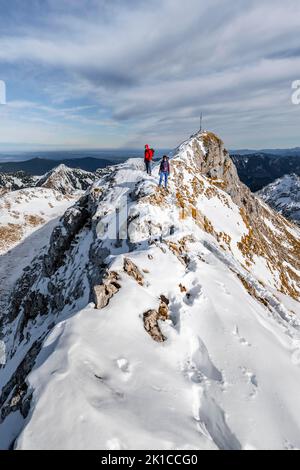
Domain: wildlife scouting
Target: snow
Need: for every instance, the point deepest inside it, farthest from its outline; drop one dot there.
(15, 206)
(67, 180)
(284, 196)
(41, 203)
(17, 258)
(272, 227)
(213, 384)
(227, 376)
(261, 271)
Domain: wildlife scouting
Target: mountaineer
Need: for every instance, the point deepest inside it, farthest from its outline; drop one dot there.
(148, 159)
(164, 171)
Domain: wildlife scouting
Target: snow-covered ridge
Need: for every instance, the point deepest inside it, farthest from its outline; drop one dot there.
(15, 181)
(67, 180)
(61, 178)
(197, 311)
(283, 195)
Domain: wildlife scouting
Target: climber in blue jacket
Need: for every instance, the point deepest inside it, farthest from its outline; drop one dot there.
(164, 171)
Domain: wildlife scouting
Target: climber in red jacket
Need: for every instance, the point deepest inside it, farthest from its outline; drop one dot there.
(148, 159)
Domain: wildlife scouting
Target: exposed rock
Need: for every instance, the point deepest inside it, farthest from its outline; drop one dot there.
(163, 309)
(151, 325)
(105, 291)
(63, 235)
(14, 394)
(205, 153)
(16, 180)
(133, 271)
(26, 299)
(151, 318)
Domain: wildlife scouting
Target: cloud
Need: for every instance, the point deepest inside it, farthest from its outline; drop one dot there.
(151, 66)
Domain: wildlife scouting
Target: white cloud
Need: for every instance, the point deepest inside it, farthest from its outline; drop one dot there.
(152, 66)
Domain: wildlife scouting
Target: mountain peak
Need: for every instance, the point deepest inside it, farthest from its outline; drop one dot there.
(67, 180)
(60, 167)
(164, 297)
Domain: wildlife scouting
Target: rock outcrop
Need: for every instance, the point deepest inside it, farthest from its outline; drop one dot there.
(15, 181)
(205, 152)
(152, 317)
(133, 271)
(105, 291)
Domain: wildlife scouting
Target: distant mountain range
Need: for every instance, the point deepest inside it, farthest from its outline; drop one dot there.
(278, 152)
(256, 169)
(40, 166)
(34, 163)
(260, 169)
(62, 179)
(283, 195)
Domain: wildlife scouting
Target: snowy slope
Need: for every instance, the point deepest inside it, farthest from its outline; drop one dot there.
(283, 195)
(197, 312)
(24, 211)
(66, 180)
(214, 384)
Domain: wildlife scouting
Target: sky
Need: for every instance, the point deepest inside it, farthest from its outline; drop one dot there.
(122, 73)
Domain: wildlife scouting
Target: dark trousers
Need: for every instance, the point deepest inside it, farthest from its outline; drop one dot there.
(148, 166)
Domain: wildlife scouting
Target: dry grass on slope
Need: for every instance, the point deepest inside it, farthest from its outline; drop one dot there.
(9, 235)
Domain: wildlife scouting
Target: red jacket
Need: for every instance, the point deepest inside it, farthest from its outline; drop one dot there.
(148, 153)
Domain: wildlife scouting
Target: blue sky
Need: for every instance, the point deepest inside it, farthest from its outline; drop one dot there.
(119, 73)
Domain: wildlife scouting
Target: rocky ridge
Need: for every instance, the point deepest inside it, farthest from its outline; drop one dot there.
(206, 204)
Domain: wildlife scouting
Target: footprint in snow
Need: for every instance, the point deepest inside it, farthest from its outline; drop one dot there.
(252, 380)
(175, 309)
(123, 364)
(241, 339)
(223, 287)
(193, 265)
(193, 294)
